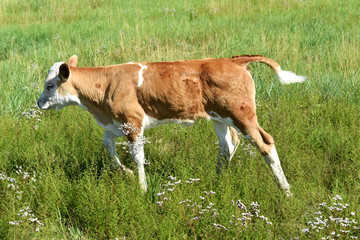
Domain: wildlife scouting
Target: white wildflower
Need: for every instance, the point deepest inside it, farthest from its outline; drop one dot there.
(195, 218)
(187, 200)
(170, 184)
(337, 197)
(241, 205)
(194, 179)
(318, 213)
(254, 204)
(219, 226)
(172, 178)
(209, 193)
(15, 222)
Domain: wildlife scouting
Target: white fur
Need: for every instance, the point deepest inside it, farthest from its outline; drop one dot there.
(56, 101)
(217, 117)
(51, 99)
(138, 155)
(136, 150)
(114, 127)
(227, 146)
(141, 77)
(54, 71)
(141, 72)
(287, 77)
(109, 143)
(273, 160)
(150, 122)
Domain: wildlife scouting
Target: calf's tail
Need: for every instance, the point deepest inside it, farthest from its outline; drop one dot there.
(285, 77)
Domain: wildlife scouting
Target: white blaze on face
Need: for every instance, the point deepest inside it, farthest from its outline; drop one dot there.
(50, 97)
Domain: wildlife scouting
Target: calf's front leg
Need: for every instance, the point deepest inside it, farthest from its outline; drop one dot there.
(137, 153)
(109, 143)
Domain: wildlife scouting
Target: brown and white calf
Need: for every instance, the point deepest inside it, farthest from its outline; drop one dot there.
(127, 99)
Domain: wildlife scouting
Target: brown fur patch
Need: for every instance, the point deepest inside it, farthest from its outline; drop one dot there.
(185, 90)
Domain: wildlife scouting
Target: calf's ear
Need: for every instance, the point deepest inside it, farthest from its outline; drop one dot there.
(64, 72)
(73, 61)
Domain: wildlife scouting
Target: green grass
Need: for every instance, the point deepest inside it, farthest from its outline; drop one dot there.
(76, 195)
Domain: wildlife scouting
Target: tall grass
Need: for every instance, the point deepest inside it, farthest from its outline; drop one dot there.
(66, 189)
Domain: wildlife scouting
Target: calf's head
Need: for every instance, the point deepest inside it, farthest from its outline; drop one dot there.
(58, 90)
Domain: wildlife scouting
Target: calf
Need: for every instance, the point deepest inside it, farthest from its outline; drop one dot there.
(129, 98)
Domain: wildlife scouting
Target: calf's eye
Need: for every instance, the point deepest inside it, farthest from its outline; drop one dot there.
(50, 86)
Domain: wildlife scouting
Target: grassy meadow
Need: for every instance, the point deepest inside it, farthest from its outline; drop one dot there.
(55, 176)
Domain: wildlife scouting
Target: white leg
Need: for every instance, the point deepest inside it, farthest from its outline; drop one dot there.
(137, 153)
(109, 143)
(273, 160)
(228, 143)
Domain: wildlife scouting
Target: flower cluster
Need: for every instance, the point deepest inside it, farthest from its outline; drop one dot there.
(170, 11)
(32, 85)
(26, 216)
(22, 183)
(34, 113)
(332, 222)
(247, 216)
(203, 207)
(192, 209)
(101, 49)
(128, 128)
(24, 179)
(250, 149)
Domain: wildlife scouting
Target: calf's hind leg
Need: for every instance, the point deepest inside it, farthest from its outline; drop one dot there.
(228, 143)
(265, 143)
